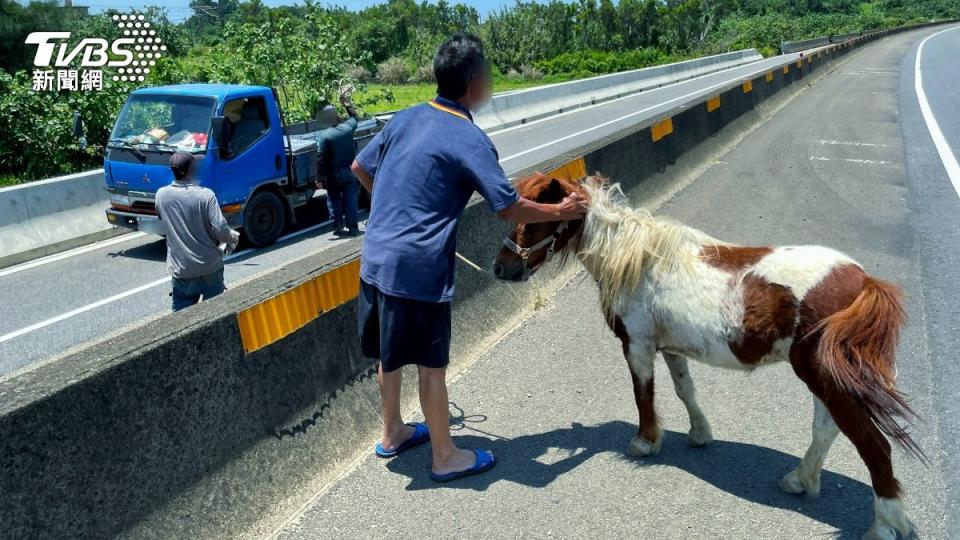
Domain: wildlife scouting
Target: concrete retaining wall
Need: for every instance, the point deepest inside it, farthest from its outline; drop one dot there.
(173, 431)
(787, 47)
(40, 218)
(513, 108)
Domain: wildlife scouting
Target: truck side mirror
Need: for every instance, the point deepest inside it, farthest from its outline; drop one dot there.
(78, 130)
(221, 134)
(77, 125)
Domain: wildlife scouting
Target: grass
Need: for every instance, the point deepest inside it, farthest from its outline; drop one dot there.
(405, 95)
(7, 180)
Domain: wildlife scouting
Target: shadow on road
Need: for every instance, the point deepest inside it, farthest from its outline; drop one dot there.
(744, 470)
(155, 251)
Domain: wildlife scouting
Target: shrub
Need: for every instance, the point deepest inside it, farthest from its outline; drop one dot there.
(425, 74)
(359, 74)
(531, 73)
(767, 52)
(393, 71)
(592, 62)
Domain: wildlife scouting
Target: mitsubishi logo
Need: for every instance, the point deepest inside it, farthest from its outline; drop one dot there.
(146, 179)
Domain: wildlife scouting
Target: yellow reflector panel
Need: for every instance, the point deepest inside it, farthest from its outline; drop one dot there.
(661, 129)
(713, 103)
(287, 312)
(572, 170)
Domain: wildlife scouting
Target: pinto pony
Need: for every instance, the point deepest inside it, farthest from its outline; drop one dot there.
(669, 288)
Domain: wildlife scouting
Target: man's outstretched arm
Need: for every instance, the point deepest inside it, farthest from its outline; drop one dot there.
(574, 206)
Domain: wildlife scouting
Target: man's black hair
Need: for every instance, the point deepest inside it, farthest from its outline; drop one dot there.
(180, 163)
(456, 63)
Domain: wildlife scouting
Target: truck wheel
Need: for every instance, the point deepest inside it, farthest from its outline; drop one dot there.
(264, 219)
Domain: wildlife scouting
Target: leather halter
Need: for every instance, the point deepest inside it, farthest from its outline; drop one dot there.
(524, 253)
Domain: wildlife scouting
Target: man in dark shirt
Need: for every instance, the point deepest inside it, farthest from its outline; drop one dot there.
(337, 150)
(422, 170)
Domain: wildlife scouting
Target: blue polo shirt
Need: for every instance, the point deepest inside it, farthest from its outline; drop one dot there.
(426, 164)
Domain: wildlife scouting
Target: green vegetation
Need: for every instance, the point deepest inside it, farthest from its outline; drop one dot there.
(405, 95)
(307, 51)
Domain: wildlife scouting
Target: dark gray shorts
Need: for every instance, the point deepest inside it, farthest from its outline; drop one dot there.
(402, 331)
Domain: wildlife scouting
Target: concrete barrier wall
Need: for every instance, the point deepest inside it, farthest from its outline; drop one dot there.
(840, 38)
(787, 47)
(172, 430)
(40, 218)
(522, 106)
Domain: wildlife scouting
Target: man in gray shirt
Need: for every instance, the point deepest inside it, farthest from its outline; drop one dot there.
(195, 229)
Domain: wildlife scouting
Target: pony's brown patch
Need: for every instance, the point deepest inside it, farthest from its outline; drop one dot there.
(835, 292)
(769, 315)
(855, 321)
(620, 330)
(733, 258)
(642, 390)
(643, 394)
(541, 188)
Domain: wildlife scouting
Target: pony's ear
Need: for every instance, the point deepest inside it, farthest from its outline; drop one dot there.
(554, 193)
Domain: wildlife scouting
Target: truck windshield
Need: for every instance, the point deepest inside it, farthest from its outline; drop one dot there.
(164, 123)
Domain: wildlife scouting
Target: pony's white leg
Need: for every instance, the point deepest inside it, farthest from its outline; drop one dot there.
(806, 477)
(699, 433)
(640, 355)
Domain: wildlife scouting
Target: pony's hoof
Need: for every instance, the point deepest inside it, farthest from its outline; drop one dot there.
(889, 519)
(794, 484)
(880, 533)
(640, 447)
(698, 438)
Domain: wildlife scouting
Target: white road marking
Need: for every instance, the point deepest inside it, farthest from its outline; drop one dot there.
(853, 160)
(69, 253)
(79, 310)
(621, 98)
(852, 143)
(868, 161)
(946, 155)
(125, 294)
(745, 77)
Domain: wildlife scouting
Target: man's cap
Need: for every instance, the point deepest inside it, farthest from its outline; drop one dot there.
(180, 163)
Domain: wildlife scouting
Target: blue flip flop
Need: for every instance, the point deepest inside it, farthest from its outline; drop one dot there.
(485, 462)
(420, 435)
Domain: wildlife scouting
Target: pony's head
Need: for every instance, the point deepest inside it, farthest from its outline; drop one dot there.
(530, 245)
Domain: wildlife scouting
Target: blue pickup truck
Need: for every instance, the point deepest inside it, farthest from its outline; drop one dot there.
(259, 168)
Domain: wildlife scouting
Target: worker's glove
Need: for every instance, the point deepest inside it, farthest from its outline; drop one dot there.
(228, 247)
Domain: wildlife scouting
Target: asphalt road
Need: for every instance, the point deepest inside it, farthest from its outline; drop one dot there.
(850, 164)
(48, 308)
(527, 145)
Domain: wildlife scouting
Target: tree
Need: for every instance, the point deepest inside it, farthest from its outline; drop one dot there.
(307, 80)
(209, 16)
(17, 21)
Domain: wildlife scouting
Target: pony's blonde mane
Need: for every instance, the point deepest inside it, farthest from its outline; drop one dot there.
(620, 244)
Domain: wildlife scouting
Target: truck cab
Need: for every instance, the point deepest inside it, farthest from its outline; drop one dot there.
(259, 168)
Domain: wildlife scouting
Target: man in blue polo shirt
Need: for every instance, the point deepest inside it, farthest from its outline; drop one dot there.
(422, 170)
